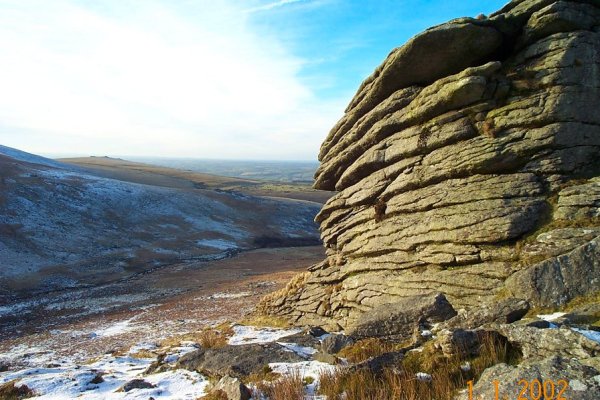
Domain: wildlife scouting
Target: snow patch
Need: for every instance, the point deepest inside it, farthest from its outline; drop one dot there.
(551, 317)
(67, 380)
(115, 329)
(250, 334)
(592, 335)
(222, 295)
(304, 369)
(302, 351)
(217, 244)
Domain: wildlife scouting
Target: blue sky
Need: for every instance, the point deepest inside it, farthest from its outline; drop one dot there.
(207, 79)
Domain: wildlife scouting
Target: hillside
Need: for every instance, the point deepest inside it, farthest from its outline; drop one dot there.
(155, 175)
(63, 227)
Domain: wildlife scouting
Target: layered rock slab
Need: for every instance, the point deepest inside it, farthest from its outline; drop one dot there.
(467, 165)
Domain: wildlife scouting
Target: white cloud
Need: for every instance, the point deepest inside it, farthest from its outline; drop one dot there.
(270, 6)
(149, 78)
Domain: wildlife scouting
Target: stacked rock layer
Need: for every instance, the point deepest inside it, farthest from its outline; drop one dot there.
(467, 164)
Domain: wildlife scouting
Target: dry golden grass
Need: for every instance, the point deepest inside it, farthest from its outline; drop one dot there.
(144, 354)
(265, 321)
(211, 337)
(215, 395)
(591, 298)
(366, 348)
(10, 391)
(266, 375)
(447, 376)
(292, 287)
(288, 387)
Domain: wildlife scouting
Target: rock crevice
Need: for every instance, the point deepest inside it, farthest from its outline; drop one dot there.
(467, 164)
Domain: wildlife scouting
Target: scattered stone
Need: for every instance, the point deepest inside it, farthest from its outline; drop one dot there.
(325, 357)
(233, 388)
(334, 343)
(378, 364)
(317, 331)
(136, 384)
(97, 379)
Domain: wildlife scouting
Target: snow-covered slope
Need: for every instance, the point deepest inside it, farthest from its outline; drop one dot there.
(60, 227)
(19, 155)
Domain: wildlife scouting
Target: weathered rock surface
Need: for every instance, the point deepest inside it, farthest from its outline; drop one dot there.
(236, 361)
(136, 384)
(502, 312)
(573, 379)
(537, 343)
(468, 164)
(400, 320)
(233, 388)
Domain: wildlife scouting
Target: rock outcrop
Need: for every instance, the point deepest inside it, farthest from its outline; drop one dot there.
(467, 164)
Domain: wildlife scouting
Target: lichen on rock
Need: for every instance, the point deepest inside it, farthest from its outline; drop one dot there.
(467, 164)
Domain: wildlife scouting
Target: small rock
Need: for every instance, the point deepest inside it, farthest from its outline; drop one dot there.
(136, 384)
(325, 357)
(97, 379)
(333, 344)
(233, 388)
(317, 331)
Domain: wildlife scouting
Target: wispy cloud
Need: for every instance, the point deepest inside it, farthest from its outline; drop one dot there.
(152, 79)
(270, 6)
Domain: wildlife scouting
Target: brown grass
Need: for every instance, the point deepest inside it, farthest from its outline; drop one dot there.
(366, 348)
(266, 375)
(265, 321)
(289, 387)
(292, 287)
(447, 377)
(211, 337)
(215, 395)
(10, 391)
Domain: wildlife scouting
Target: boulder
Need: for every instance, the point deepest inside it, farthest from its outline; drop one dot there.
(400, 320)
(334, 343)
(467, 164)
(236, 361)
(555, 281)
(537, 343)
(581, 382)
(504, 311)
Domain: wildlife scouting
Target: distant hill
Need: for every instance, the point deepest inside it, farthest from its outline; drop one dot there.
(66, 226)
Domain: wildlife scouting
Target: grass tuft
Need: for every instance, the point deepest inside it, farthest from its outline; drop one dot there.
(215, 395)
(265, 321)
(448, 374)
(211, 337)
(10, 391)
(364, 349)
(288, 387)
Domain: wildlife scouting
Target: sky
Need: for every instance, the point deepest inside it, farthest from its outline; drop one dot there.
(223, 79)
